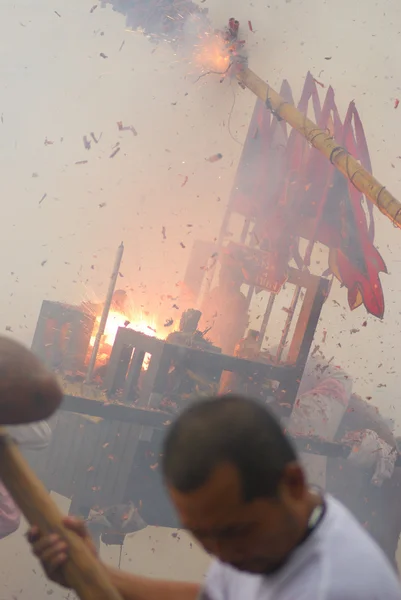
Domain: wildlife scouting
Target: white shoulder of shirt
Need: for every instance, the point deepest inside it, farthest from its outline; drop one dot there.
(34, 436)
(339, 561)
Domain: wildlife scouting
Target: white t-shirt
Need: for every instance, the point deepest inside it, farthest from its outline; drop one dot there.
(339, 561)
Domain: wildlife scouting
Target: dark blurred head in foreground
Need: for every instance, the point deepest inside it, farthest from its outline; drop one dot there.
(236, 482)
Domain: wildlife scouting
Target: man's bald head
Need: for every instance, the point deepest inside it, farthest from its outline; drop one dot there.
(227, 429)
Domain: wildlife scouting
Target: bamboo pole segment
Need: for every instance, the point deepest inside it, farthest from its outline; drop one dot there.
(83, 572)
(326, 144)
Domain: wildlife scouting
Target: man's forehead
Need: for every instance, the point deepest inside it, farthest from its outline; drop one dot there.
(220, 497)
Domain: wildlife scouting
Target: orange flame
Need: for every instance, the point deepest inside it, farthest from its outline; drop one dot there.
(117, 319)
(212, 54)
(137, 322)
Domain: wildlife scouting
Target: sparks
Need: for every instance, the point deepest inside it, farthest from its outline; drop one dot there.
(212, 54)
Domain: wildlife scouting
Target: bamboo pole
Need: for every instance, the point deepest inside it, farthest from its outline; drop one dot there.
(327, 145)
(83, 572)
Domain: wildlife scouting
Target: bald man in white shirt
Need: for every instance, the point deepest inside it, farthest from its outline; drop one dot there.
(239, 487)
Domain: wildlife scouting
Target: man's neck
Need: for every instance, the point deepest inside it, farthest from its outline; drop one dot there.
(314, 499)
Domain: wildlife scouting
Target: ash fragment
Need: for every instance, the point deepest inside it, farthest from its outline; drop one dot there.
(130, 128)
(86, 142)
(116, 151)
(214, 158)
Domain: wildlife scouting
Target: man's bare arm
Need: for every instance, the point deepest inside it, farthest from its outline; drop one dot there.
(52, 551)
(132, 587)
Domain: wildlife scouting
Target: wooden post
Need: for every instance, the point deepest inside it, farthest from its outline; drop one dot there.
(105, 313)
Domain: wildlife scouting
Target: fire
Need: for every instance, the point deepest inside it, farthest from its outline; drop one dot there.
(137, 322)
(117, 319)
(212, 54)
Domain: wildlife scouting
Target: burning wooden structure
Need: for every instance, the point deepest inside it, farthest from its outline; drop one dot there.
(111, 456)
(108, 434)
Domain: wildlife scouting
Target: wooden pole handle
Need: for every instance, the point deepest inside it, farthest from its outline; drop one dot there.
(83, 572)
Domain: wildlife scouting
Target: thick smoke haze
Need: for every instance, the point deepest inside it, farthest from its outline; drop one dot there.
(67, 72)
(58, 87)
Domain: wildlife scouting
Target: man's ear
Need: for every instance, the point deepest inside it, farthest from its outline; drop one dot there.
(293, 481)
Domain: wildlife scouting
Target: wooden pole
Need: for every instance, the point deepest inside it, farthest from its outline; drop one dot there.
(326, 144)
(105, 312)
(83, 571)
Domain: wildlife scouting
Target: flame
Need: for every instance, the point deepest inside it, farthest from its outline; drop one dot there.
(117, 319)
(136, 321)
(212, 53)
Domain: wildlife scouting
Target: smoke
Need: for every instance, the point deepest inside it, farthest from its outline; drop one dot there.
(165, 20)
(186, 27)
(317, 368)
